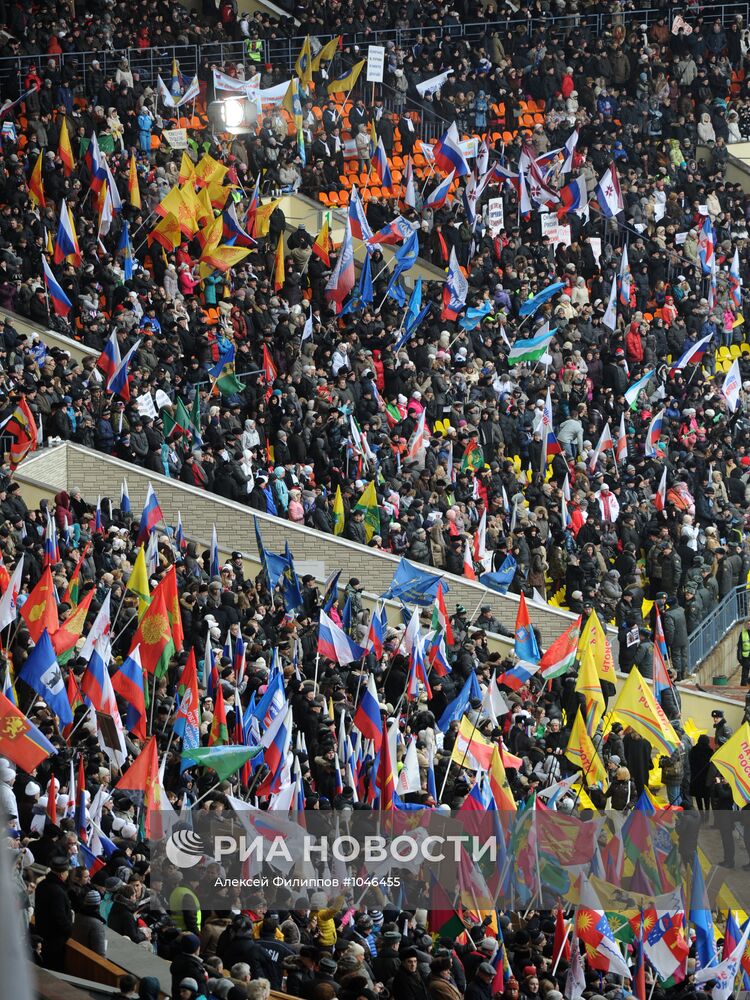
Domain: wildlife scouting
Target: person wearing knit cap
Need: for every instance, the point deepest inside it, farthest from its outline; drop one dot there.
(89, 927)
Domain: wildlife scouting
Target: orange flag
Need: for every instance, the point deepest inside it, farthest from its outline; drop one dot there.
(39, 611)
(143, 776)
(320, 246)
(71, 629)
(219, 733)
(279, 274)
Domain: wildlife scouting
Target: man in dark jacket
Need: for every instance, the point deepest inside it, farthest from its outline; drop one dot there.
(187, 964)
(407, 983)
(481, 987)
(53, 914)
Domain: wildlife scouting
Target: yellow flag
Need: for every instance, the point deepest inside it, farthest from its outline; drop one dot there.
(166, 233)
(733, 760)
(279, 274)
(326, 53)
(187, 169)
(346, 82)
(138, 581)
(587, 684)
(368, 504)
(205, 212)
(134, 190)
(263, 216)
(636, 707)
(581, 752)
(303, 66)
(210, 236)
(595, 638)
(174, 203)
(208, 169)
(218, 192)
(192, 202)
(501, 791)
(221, 259)
(338, 512)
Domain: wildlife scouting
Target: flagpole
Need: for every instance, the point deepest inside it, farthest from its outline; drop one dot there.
(211, 789)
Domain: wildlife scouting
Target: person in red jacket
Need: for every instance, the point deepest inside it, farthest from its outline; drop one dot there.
(634, 343)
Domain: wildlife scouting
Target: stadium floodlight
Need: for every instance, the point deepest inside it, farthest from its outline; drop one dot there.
(233, 114)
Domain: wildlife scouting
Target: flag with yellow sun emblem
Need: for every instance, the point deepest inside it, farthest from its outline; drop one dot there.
(154, 633)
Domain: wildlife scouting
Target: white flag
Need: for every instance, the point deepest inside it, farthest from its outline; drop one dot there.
(164, 95)
(9, 600)
(408, 779)
(307, 329)
(190, 94)
(434, 83)
(724, 974)
(608, 193)
(610, 316)
(575, 982)
(732, 385)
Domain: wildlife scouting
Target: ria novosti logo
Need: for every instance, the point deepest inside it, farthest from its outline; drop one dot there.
(184, 848)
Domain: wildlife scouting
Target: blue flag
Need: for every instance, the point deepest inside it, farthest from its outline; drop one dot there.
(474, 316)
(460, 703)
(42, 673)
(530, 306)
(701, 919)
(366, 293)
(413, 585)
(291, 590)
(501, 579)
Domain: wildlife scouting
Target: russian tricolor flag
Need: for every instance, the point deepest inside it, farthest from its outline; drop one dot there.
(92, 682)
(693, 354)
(439, 196)
(125, 498)
(335, 644)
(60, 301)
(150, 516)
(519, 675)
(374, 641)
(96, 164)
(66, 244)
(653, 434)
(573, 197)
(380, 163)
(367, 716)
(51, 549)
(448, 155)
(109, 360)
(128, 683)
(275, 742)
(119, 382)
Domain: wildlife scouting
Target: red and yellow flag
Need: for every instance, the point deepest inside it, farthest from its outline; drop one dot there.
(71, 629)
(168, 585)
(143, 776)
(64, 150)
(36, 184)
(39, 610)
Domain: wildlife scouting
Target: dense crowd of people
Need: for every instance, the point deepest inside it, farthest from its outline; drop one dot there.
(318, 407)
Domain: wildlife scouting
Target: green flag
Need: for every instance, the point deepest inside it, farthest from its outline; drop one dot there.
(229, 384)
(224, 760)
(368, 504)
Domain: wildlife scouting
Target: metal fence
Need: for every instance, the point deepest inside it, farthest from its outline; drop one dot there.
(283, 52)
(730, 610)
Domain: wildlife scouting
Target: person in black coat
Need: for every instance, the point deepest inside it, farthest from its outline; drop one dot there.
(187, 964)
(407, 982)
(638, 760)
(53, 914)
(700, 763)
(122, 917)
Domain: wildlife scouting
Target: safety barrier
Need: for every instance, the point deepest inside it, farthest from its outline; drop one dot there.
(283, 52)
(731, 609)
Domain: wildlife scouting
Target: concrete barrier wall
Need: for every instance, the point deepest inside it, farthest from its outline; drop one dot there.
(68, 466)
(77, 351)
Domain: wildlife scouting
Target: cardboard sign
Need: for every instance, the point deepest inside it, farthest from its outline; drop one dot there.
(495, 215)
(556, 231)
(176, 137)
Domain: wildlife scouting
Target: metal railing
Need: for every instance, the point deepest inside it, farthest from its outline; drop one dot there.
(730, 610)
(283, 52)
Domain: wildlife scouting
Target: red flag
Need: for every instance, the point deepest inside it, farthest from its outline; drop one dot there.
(39, 611)
(561, 945)
(443, 619)
(219, 733)
(52, 800)
(172, 604)
(270, 371)
(385, 773)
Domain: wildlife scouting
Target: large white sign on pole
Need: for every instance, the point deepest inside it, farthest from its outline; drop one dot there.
(375, 63)
(495, 215)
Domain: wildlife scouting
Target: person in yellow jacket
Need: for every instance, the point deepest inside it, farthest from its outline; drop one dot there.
(324, 918)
